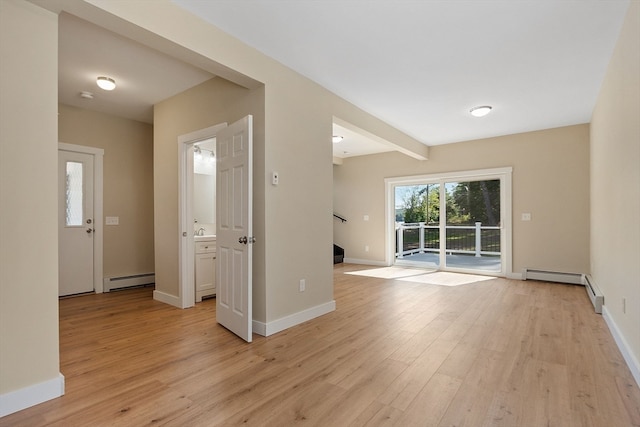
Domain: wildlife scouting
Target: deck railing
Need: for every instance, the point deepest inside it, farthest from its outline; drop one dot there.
(477, 240)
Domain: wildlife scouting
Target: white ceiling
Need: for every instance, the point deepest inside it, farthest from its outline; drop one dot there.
(143, 76)
(417, 65)
(422, 65)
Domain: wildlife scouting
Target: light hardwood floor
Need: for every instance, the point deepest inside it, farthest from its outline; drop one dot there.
(395, 352)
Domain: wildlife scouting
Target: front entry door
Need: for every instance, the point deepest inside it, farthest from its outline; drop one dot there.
(234, 228)
(75, 223)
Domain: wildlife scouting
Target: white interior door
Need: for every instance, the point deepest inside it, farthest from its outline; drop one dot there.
(234, 228)
(75, 223)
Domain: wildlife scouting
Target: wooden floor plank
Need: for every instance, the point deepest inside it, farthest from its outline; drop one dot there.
(395, 352)
(430, 405)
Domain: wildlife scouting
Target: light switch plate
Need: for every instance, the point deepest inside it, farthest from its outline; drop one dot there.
(112, 220)
(526, 216)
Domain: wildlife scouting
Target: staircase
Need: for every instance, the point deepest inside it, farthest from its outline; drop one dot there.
(338, 254)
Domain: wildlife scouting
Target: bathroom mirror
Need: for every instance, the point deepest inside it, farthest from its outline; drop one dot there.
(204, 185)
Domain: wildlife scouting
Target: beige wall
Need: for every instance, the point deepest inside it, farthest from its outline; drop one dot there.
(28, 196)
(128, 184)
(550, 181)
(210, 103)
(615, 186)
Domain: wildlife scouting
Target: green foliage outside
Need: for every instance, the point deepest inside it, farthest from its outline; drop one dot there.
(422, 204)
(466, 203)
(475, 201)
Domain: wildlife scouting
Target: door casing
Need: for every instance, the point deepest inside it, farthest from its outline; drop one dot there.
(98, 238)
(187, 294)
(504, 174)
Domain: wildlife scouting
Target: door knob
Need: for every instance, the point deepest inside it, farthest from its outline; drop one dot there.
(89, 230)
(243, 240)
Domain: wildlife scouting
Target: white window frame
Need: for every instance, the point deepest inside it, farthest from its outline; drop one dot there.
(503, 174)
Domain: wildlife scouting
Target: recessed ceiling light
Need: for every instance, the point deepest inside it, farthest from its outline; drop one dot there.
(337, 138)
(480, 111)
(106, 83)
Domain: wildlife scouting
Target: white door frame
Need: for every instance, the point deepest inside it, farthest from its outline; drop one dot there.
(187, 293)
(98, 238)
(505, 210)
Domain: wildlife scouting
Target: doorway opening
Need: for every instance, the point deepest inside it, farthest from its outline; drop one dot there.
(456, 222)
(186, 147)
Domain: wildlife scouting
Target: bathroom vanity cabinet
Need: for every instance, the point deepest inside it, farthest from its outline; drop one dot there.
(205, 268)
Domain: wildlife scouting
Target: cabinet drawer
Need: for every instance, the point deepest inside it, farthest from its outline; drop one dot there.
(205, 247)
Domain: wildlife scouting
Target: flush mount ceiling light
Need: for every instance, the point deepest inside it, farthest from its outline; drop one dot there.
(480, 111)
(106, 83)
(337, 138)
(86, 95)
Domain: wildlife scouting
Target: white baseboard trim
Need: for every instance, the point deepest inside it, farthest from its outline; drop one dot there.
(167, 299)
(365, 262)
(514, 276)
(24, 398)
(266, 329)
(627, 354)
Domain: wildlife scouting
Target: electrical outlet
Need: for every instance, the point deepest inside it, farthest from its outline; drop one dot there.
(303, 285)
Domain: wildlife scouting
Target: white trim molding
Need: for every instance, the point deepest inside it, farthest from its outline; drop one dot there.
(266, 329)
(32, 395)
(514, 276)
(504, 174)
(98, 206)
(623, 346)
(167, 299)
(186, 251)
(365, 262)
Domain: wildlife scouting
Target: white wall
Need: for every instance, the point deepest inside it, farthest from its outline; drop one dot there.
(615, 190)
(28, 201)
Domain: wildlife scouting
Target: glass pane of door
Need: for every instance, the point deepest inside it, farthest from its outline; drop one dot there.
(73, 195)
(417, 209)
(472, 231)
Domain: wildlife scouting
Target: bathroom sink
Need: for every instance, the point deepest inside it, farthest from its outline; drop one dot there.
(205, 238)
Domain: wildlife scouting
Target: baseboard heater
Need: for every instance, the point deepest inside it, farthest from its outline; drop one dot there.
(596, 297)
(552, 276)
(111, 283)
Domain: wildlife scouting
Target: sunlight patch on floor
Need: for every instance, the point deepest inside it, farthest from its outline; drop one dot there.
(445, 278)
(389, 272)
(419, 275)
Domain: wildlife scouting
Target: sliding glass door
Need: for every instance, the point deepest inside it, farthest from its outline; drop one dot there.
(451, 222)
(472, 232)
(417, 223)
